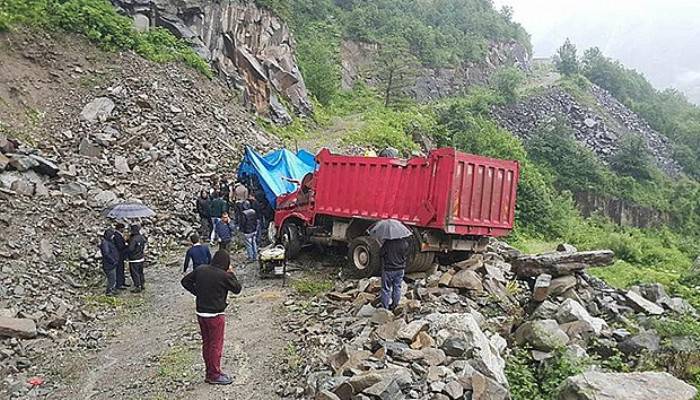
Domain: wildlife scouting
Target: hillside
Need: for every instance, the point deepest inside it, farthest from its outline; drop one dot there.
(102, 102)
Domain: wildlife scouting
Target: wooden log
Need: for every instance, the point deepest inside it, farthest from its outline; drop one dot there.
(560, 264)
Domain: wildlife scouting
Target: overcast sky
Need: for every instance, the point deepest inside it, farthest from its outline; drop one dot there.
(660, 38)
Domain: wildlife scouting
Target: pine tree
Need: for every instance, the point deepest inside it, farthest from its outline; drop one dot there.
(566, 59)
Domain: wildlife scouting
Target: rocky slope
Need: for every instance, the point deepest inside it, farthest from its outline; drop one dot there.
(249, 46)
(81, 129)
(598, 123)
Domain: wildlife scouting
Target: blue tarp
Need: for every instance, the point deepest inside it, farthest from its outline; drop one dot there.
(272, 167)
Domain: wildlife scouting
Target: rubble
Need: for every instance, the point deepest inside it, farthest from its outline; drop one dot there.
(457, 343)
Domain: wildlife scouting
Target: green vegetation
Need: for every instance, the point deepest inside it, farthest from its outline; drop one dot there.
(566, 59)
(177, 362)
(530, 380)
(99, 21)
(311, 287)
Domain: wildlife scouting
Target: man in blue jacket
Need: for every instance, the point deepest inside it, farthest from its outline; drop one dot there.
(110, 260)
(225, 231)
(198, 254)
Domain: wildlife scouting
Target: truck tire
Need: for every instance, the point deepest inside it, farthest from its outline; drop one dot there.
(420, 262)
(363, 256)
(291, 240)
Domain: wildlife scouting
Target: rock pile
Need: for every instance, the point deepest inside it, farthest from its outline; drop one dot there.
(152, 133)
(454, 329)
(600, 131)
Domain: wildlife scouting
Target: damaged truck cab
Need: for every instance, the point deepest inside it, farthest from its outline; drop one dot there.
(450, 200)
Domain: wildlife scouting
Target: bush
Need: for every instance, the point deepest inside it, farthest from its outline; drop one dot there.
(532, 380)
(507, 81)
(633, 158)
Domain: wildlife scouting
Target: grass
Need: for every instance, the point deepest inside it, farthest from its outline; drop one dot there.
(177, 363)
(311, 287)
(292, 356)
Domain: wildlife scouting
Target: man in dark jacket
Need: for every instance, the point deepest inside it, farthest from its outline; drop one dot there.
(120, 243)
(110, 260)
(211, 284)
(203, 212)
(249, 229)
(217, 208)
(198, 254)
(393, 256)
(137, 257)
(225, 231)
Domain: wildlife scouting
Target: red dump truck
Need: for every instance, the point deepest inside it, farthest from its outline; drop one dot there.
(451, 201)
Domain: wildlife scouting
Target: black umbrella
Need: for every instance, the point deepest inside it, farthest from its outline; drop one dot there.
(389, 229)
(128, 211)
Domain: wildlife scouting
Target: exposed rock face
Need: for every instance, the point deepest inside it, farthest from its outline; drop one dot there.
(636, 386)
(433, 83)
(247, 45)
(620, 211)
(595, 130)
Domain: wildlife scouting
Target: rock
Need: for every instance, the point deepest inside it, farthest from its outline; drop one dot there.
(561, 285)
(589, 122)
(46, 250)
(347, 358)
(99, 109)
(467, 279)
(454, 390)
(390, 330)
(4, 162)
(386, 389)
(88, 149)
(445, 279)
(22, 187)
(73, 189)
(366, 311)
(541, 290)
(361, 382)
(409, 332)
(22, 328)
(571, 311)
(326, 395)
(560, 264)
(566, 248)
(647, 341)
(22, 163)
(679, 305)
(141, 23)
(454, 347)
(423, 340)
(640, 304)
(121, 166)
(465, 326)
(44, 166)
(544, 335)
(106, 198)
(485, 388)
(595, 385)
(433, 356)
(546, 310)
(653, 292)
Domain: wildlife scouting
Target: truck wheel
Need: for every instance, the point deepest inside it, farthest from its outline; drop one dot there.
(291, 240)
(363, 254)
(420, 262)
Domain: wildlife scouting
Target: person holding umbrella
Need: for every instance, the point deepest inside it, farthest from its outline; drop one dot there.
(120, 243)
(393, 235)
(137, 257)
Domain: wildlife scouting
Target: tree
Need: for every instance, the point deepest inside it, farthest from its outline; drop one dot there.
(507, 81)
(633, 158)
(566, 59)
(396, 69)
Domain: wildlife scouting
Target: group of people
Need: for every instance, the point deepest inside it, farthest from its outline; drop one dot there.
(225, 211)
(117, 249)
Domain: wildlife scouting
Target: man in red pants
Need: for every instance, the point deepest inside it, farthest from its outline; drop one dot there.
(211, 284)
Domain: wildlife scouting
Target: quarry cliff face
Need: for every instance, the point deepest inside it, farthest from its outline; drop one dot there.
(358, 62)
(249, 47)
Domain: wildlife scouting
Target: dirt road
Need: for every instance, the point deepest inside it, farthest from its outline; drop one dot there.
(155, 353)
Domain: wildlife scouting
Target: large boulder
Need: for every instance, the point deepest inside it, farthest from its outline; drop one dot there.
(465, 327)
(100, 109)
(467, 279)
(595, 385)
(544, 335)
(17, 328)
(571, 311)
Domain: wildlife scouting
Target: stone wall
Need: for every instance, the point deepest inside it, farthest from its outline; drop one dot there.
(619, 211)
(248, 46)
(433, 83)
